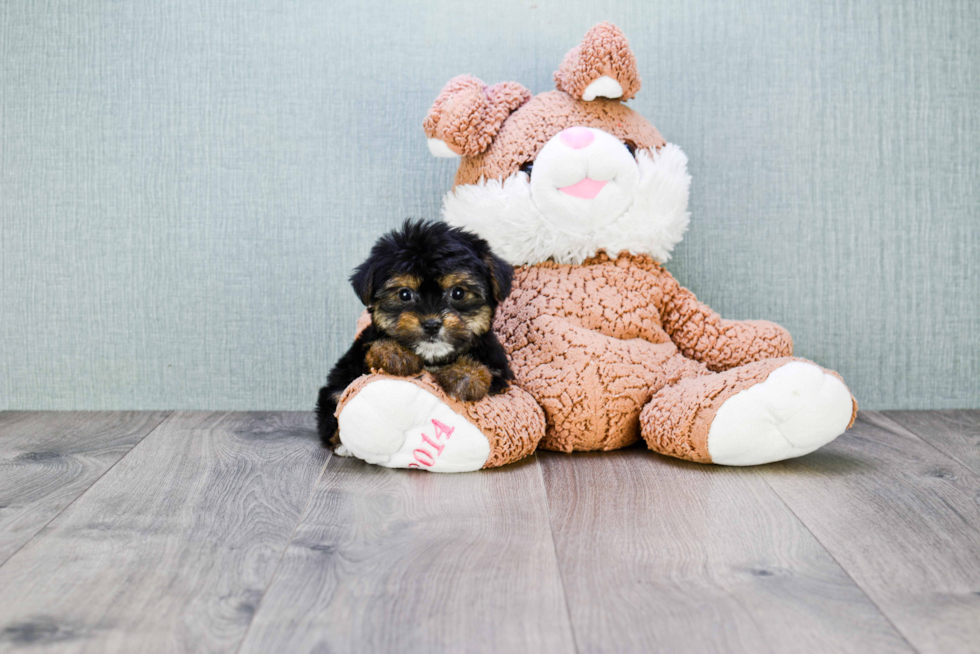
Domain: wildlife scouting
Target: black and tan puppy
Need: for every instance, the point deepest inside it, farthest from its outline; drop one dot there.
(431, 290)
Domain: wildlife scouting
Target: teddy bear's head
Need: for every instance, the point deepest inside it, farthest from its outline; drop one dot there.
(566, 173)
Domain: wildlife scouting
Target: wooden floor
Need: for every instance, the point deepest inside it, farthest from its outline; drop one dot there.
(235, 532)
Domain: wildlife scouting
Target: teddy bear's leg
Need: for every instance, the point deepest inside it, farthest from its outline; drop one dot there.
(757, 413)
(409, 422)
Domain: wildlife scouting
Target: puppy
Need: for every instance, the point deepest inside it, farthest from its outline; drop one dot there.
(431, 290)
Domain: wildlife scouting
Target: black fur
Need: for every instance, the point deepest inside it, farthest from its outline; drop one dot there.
(427, 251)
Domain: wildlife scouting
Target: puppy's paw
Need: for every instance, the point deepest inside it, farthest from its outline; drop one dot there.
(392, 358)
(465, 379)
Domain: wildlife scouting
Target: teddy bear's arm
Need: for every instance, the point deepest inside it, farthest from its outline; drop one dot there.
(703, 335)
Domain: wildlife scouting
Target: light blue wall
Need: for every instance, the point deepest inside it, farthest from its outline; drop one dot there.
(184, 185)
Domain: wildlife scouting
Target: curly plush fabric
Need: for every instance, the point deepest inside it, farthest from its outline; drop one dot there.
(527, 130)
(468, 113)
(594, 343)
(511, 421)
(603, 51)
(677, 419)
(703, 335)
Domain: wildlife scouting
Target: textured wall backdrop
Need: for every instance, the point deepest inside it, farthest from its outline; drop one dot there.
(184, 185)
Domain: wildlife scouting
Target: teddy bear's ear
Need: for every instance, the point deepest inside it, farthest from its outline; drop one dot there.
(602, 65)
(468, 114)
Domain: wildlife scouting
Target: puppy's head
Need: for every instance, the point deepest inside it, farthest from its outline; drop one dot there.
(432, 287)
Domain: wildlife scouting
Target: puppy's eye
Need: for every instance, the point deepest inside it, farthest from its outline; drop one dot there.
(405, 295)
(527, 167)
(457, 294)
(631, 147)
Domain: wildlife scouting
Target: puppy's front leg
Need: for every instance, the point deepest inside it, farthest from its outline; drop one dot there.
(391, 357)
(464, 379)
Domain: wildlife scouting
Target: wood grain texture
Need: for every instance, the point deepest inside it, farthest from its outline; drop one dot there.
(389, 560)
(956, 433)
(48, 459)
(173, 548)
(903, 519)
(217, 533)
(664, 555)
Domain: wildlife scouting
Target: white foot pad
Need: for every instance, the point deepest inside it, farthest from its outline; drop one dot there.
(796, 410)
(396, 424)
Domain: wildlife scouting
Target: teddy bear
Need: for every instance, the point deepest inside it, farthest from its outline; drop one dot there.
(587, 200)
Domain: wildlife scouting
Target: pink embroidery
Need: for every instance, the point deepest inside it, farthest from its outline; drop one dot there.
(439, 448)
(422, 455)
(442, 429)
(418, 457)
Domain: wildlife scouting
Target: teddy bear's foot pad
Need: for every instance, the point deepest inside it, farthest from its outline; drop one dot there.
(397, 424)
(795, 410)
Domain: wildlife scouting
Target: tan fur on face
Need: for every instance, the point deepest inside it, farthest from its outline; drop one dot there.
(391, 357)
(455, 326)
(458, 279)
(384, 321)
(464, 379)
(479, 323)
(402, 281)
(408, 324)
(390, 321)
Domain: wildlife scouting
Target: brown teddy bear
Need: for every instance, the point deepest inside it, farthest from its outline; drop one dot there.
(586, 199)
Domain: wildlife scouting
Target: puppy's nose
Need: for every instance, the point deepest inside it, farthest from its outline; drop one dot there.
(431, 326)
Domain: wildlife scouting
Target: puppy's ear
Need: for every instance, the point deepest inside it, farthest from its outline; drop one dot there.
(501, 276)
(362, 279)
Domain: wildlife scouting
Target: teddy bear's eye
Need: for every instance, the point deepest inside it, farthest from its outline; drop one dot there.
(632, 148)
(405, 295)
(527, 167)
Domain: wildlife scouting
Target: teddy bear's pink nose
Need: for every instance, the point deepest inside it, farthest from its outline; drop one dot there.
(577, 137)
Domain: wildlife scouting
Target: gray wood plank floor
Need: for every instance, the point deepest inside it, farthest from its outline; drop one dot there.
(48, 460)
(385, 561)
(903, 519)
(675, 556)
(235, 532)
